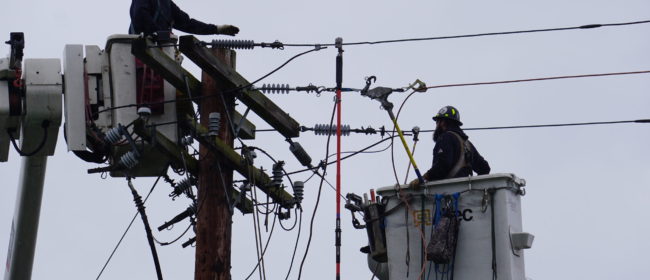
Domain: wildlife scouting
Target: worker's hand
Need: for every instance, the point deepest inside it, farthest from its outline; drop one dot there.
(414, 183)
(227, 29)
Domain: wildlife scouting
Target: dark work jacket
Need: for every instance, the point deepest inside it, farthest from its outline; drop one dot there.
(446, 154)
(150, 16)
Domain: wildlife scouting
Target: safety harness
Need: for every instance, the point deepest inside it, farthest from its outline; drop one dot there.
(464, 155)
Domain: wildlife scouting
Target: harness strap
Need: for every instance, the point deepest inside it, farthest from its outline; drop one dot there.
(465, 147)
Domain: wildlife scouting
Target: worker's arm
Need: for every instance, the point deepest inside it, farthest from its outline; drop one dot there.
(183, 22)
(141, 19)
(479, 164)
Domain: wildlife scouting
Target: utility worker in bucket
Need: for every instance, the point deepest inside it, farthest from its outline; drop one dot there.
(153, 16)
(453, 155)
(157, 18)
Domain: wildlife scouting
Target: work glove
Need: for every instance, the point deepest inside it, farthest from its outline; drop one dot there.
(414, 183)
(227, 29)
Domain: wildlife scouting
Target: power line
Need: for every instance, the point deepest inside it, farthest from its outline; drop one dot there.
(483, 128)
(556, 125)
(541, 79)
(210, 95)
(430, 87)
(500, 127)
(587, 26)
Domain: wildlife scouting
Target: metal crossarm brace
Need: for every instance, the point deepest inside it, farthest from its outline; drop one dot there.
(238, 163)
(178, 155)
(180, 78)
(260, 104)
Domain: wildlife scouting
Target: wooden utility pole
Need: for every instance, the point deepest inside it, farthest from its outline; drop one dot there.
(214, 220)
(217, 158)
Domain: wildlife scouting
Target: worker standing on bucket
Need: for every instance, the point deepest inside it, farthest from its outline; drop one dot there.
(453, 155)
(157, 18)
(153, 16)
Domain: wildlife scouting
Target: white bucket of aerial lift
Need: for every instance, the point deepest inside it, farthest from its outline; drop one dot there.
(123, 77)
(473, 259)
(107, 79)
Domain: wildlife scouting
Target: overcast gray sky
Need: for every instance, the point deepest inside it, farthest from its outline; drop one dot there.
(587, 186)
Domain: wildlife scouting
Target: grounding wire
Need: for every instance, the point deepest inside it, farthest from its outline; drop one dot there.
(128, 227)
(587, 26)
(320, 188)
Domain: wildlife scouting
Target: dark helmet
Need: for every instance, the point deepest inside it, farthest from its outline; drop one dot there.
(450, 113)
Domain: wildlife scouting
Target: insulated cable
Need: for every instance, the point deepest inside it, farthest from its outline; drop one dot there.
(45, 124)
(128, 228)
(140, 205)
(320, 188)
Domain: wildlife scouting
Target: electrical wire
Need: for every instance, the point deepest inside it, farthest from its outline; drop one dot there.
(40, 146)
(295, 247)
(211, 95)
(294, 223)
(541, 79)
(128, 228)
(258, 238)
(346, 157)
(268, 241)
(177, 238)
(587, 26)
(551, 125)
(320, 188)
